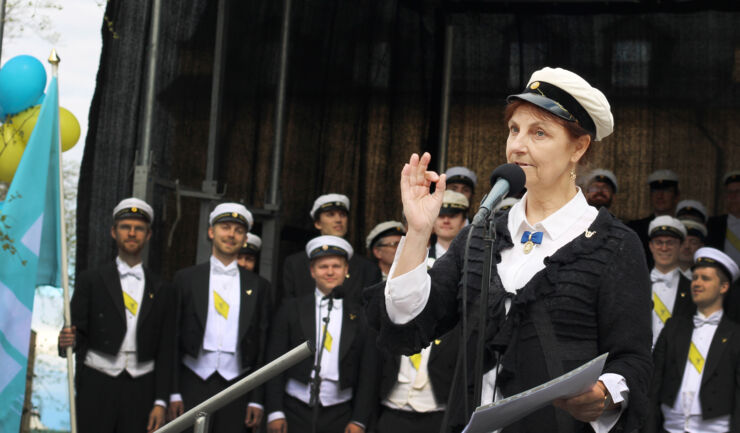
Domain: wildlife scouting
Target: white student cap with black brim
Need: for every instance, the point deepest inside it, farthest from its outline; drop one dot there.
(603, 175)
(665, 225)
(231, 212)
(707, 256)
(328, 245)
(386, 228)
(461, 175)
(252, 245)
(327, 202)
(691, 207)
(133, 207)
(570, 97)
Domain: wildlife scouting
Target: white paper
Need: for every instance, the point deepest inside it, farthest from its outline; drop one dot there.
(497, 415)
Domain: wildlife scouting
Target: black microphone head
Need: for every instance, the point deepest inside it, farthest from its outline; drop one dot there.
(513, 174)
(338, 292)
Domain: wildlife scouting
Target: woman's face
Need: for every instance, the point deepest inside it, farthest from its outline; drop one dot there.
(543, 148)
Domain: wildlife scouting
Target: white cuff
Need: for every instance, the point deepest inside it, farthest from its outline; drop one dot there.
(160, 403)
(619, 391)
(257, 405)
(359, 424)
(175, 397)
(275, 416)
(407, 295)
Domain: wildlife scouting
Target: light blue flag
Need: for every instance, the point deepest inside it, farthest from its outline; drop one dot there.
(30, 247)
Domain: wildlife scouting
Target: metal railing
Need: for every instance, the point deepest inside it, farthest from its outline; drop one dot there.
(198, 416)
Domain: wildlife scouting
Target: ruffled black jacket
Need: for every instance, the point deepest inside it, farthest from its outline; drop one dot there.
(592, 297)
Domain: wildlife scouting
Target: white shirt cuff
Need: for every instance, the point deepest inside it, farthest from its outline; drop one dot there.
(257, 405)
(406, 295)
(175, 397)
(160, 403)
(359, 424)
(275, 416)
(619, 391)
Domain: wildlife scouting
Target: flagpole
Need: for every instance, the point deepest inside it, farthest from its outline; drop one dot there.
(54, 60)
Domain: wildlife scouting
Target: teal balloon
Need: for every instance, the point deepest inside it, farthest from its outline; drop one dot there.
(22, 82)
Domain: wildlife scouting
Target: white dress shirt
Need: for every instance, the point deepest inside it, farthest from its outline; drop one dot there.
(413, 389)
(685, 415)
(132, 283)
(407, 295)
(330, 392)
(733, 224)
(665, 286)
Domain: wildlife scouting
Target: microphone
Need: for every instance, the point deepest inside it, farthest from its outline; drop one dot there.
(337, 292)
(504, 179)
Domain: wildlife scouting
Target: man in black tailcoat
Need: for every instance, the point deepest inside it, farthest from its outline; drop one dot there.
(335, 391)
(121, 333)
(696, 378)
(223, 315)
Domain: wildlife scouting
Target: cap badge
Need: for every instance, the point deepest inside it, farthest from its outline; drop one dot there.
(325, 247)
(233, 214)
(134, 210)
(534, 85)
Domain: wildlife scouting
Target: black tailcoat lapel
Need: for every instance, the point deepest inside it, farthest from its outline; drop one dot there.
(307, 317)
(717, 348)
(113, 284)
(200, 287)
(147, 298)
(247, 302)
(350, 319)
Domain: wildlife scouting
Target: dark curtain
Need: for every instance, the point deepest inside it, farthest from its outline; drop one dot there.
(363, 94)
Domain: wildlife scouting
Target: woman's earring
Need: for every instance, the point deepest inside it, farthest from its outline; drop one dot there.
(573, 175)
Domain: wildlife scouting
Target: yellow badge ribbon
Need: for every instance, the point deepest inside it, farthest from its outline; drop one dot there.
(328, 340)
(660, 309)
(695, 358)
(222, 307)
(734, 240)
(415, 360)
(130, 303)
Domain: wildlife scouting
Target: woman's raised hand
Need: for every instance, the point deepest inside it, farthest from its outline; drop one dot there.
(419, 206)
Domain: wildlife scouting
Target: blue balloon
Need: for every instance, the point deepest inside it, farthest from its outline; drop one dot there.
(22, 82)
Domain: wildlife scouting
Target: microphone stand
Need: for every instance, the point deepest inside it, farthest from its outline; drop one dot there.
(489, 237)
(316, 381)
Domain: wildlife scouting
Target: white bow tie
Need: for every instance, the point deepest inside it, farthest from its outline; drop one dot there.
(711, 320)
(230, 271)
(657, 276)
(136, 272)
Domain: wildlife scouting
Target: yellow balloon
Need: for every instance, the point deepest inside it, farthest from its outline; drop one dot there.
(11, 150)
(69, 127)
(24, 122)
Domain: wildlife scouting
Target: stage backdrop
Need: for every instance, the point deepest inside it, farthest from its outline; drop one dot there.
(363, 94)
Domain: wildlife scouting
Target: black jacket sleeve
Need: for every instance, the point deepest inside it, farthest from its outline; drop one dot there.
(624, 324)
(277, 344)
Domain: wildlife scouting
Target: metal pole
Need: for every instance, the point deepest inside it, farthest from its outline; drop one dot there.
(2, 26)
(201, 423)
(270, 228)
(210, 184)
(296, 355)
(54, 60)
(444, 114)
(142, 176)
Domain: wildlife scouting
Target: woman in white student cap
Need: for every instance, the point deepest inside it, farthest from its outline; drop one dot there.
(570, 283)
